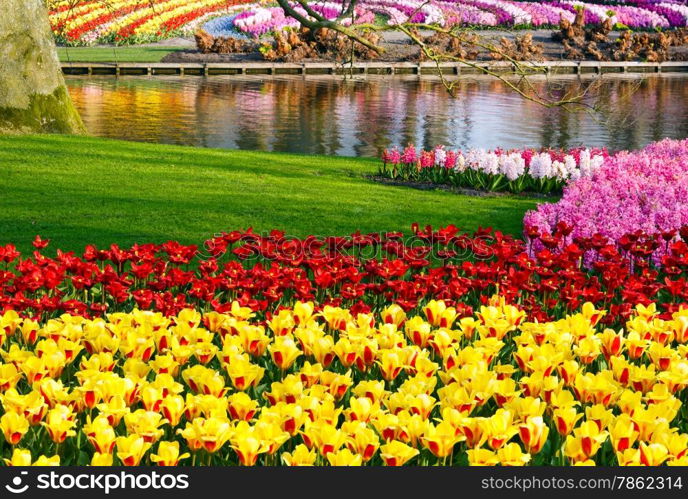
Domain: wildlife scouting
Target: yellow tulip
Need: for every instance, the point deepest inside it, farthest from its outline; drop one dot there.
(303, 312)
(499, 428)
(418, 331)
(284, 352)
(393, 314)
(629, 457)
(21, 457)
(363, 441)
(653, 454)
(372, 389)
(270, 434)
(482, 457)
(168, 454)
(622, 433)
(282, 323)
(439, 315)
(337, 318)
(585, 441)
(114, 410)
(9, 376)
(396, 453)
(247, 447)
(146, 424)
(325, 438)
(533, 434)
(241, 406)
(323, 350)
(243, 373)
(172, 407)
(591, 314)
(301, 456)
(210, 434)
(165, 364)
(588, 349)
(131, 449)
(676, 443)
(14, 427)
(346, 352)
(100, 434)
(600, 415)
(612, 343)
(512, 455)
(338, 384)
(391, 363)
(505, 391)
(344, 457)
(565, 419)
(441, 439)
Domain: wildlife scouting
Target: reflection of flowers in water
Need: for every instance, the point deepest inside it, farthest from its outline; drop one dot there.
(92, 91)
(364, 117)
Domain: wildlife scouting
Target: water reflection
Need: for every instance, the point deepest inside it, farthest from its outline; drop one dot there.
(359, 118)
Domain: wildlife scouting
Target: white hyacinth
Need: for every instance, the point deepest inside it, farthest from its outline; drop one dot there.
(512, 165)
(440, 156)
(460, 163)
(541, 166)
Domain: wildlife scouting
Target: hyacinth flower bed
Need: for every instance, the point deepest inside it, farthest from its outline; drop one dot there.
(644, 190)
(137, 21)
(439, 347)
(480, 13)
(528, 170)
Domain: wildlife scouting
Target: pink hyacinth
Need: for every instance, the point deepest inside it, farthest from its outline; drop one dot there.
(409, 155)
(392, 156)
(643, 190)
(427, 159)
(450, 159)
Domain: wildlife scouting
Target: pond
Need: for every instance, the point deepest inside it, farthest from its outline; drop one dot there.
(333, 116)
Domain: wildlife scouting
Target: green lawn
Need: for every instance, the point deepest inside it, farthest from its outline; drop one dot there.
(87, 190)
(114, 54)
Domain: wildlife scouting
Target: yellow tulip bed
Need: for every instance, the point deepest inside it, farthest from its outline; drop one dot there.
(308, 387)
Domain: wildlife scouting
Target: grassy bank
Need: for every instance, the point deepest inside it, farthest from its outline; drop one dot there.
(87, 190)
(114, 54)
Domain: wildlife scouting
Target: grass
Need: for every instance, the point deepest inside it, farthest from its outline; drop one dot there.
(114, 54)
(81, 190)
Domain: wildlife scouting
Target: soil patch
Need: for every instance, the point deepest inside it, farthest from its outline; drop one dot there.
(429, 186)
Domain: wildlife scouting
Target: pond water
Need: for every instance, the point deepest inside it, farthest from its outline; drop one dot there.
(330, 115)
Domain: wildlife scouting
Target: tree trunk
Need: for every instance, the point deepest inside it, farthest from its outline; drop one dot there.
(33, 96)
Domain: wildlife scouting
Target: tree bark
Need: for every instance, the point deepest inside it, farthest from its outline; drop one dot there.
(33, 95)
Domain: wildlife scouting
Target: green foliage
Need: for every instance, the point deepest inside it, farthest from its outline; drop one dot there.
(114, 54)
(470, 179)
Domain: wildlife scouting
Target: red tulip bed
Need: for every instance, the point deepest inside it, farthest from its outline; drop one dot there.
(544, 276)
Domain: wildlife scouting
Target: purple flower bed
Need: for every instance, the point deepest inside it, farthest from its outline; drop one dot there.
(256, 21)
(639, 18)
(641, 190)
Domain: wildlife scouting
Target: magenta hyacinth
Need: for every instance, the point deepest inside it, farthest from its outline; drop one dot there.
(643, 190)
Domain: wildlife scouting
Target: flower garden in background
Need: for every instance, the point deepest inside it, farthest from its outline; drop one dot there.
(137, 21)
